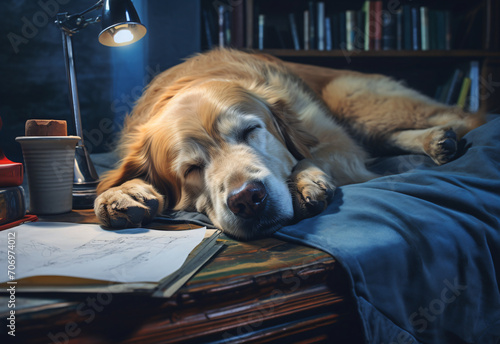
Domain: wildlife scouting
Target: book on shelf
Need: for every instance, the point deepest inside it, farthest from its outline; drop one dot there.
(474, 75)
(454, 87)
(307, 45)
(350, 20)
(262, 20)
(222, 37)
(227, 28)
(462, 88)
(373, 24)
(85, 258)
(399, 29)
(424, 27)
(366, 10)
(335, 27)
(377, 25)
(237, 26)
(407, 28)
(464, 91)
(389, 31)
(415, 28)
(343, 30)
(328, 34)
(432, 24)
(359, 40)
(312, 25)
(249, 23)
(320, 10)
(294, 31)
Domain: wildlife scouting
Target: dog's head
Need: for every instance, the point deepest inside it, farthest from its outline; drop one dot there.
(216, 148)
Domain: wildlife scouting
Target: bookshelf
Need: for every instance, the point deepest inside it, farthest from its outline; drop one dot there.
(457, 33)
(383, 53)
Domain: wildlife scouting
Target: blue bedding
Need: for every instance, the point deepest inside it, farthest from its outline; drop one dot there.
(422, 246)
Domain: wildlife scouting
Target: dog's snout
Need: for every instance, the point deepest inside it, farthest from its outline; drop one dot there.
(247, 200)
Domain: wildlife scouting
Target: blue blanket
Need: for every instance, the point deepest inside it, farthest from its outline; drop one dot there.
(422, 247)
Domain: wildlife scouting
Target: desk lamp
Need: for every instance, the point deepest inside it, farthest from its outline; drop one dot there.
(120, 26)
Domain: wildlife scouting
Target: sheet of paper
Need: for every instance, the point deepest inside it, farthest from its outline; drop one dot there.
(88, 251)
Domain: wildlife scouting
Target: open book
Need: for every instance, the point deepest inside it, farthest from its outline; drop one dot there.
(68, 257)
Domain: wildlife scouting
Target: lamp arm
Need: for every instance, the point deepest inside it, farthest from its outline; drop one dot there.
(73, 23)
(97, 6)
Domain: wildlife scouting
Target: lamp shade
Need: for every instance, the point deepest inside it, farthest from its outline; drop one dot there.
(120, 24)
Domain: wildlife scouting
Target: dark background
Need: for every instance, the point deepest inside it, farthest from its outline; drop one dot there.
(33, 75)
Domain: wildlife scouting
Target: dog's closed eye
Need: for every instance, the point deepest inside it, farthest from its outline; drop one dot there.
(193, 168)
(245, 134)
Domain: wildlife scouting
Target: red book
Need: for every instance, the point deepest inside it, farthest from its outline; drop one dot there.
(371, 25)
(377, 17)
(11, 173)
(25, 219)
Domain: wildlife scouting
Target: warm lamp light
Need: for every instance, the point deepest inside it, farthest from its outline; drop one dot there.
(118, 17)
(120, 26)
(123, 36)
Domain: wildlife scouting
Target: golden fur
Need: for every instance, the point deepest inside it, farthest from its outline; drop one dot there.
(255, 142)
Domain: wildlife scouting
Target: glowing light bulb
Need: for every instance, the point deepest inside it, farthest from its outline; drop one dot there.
(123, 36)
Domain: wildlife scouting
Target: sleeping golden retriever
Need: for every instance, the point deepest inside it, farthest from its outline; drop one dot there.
(255, 143)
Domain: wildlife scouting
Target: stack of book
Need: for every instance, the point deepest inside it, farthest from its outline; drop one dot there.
(462, 88)
(12, 199)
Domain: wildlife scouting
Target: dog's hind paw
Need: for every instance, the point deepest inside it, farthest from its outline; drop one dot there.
(311, 188)
(442, 146)
(132, 204)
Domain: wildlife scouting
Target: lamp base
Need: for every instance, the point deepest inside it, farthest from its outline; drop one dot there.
(85, 180)
(84, 196)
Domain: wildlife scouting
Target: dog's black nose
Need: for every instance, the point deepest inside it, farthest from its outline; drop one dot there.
(247, 200)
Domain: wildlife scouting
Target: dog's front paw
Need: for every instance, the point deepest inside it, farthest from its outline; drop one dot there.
(442, 146)
(311, 188)
(131, 204)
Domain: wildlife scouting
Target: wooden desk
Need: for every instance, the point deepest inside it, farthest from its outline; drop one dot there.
(261, 291)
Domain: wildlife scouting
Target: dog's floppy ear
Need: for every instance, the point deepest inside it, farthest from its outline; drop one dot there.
(290, 128)
(138, 163)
